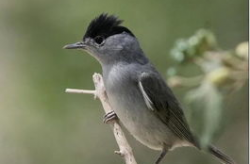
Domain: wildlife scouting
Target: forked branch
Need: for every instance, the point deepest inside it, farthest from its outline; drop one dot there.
(99, 92)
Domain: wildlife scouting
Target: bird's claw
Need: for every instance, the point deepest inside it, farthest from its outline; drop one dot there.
(109, 117)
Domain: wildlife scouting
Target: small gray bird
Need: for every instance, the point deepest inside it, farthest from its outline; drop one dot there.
(137, 92)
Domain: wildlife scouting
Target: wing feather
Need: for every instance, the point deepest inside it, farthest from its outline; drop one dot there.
(160, 99)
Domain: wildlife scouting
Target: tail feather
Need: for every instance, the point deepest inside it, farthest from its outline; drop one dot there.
(220, 155)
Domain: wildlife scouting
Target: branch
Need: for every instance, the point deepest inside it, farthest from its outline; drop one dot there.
(99, 92)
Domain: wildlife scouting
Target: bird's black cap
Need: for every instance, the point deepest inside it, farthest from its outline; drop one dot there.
(105, 25)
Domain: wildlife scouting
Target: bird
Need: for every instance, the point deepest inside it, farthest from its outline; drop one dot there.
(137, 92)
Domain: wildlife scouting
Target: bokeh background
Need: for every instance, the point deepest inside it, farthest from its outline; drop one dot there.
(39, 123)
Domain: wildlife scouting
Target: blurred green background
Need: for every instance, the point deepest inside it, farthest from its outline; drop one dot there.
(40, 124)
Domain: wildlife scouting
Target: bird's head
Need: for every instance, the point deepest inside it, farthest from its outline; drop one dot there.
(109, 42)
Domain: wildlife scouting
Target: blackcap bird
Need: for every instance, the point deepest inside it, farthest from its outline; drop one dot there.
(137, 92)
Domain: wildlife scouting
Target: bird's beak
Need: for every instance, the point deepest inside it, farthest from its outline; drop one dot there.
(77, 45)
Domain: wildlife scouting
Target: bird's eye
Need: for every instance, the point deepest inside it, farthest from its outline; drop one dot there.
(99, 39)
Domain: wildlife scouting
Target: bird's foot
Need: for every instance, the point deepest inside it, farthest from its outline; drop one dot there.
(162, 155)
(109, 117)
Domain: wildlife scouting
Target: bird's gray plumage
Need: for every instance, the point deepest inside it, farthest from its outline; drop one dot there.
(130, 88)
(137, 92)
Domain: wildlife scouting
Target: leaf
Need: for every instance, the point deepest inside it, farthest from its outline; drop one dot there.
(194, 46)
(205, 113)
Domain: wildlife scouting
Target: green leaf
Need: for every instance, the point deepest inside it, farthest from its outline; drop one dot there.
(195, 46)
(205, 113)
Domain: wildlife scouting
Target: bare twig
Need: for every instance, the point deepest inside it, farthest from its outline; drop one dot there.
(99, 92)
(69, 90)
(179, 81)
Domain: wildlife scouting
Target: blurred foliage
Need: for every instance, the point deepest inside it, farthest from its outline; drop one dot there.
(41, 124)
(187, 49)
(222, 72)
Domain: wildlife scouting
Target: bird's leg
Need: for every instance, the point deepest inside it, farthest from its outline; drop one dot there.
(109, 116)
(162, 155)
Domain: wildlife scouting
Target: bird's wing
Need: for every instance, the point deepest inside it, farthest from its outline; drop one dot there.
(162, 102)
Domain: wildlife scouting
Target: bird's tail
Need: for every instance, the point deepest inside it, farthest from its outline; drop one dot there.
(220, 155)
